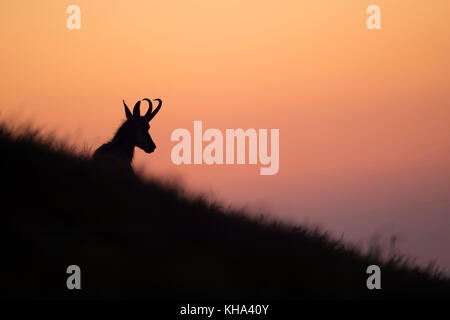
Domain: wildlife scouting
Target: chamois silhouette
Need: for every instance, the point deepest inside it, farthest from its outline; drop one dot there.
(132, 133)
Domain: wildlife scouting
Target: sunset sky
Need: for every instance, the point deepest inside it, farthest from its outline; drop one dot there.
(364, 115)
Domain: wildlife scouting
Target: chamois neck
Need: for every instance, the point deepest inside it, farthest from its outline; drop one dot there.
(125, 140)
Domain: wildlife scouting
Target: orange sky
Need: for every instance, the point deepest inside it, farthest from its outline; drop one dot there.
(363, 115)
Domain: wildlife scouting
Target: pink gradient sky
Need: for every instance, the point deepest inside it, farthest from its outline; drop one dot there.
(363, 115)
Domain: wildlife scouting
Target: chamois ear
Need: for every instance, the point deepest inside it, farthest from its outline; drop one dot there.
(137, 110)
(127, 111)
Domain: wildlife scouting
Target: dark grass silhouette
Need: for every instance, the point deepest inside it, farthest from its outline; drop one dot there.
(136, 238)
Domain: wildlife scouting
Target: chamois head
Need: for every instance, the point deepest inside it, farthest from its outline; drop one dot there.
(140, 125)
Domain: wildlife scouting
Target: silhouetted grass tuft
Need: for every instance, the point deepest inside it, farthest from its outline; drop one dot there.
(145, 238)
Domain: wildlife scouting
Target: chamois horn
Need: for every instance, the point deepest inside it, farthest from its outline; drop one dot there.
(150, 115)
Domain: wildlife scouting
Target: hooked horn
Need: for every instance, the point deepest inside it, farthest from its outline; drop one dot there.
(150, 107)
(150, 115)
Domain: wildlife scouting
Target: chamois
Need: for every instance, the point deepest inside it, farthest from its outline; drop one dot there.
(132, 133)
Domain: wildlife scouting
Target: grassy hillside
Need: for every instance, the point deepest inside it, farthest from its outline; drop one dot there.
(135, 238)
